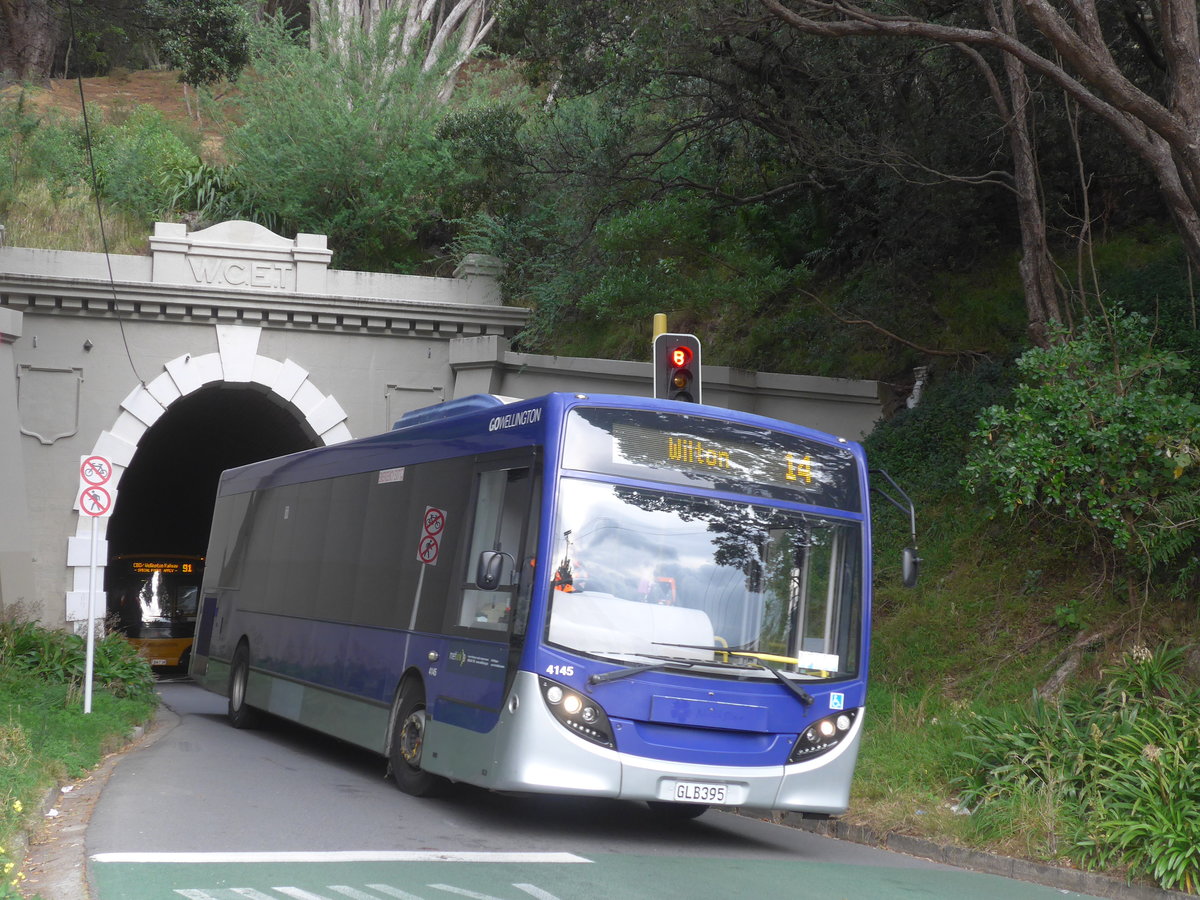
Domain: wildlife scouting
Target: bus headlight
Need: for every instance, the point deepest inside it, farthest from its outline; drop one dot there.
(822, 735)
(577, 712)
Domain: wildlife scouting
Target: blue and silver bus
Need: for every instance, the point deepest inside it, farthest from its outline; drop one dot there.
(589, 595)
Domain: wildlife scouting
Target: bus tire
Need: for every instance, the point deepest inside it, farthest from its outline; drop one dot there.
(407, 743)
(241, 714)
(678, 812)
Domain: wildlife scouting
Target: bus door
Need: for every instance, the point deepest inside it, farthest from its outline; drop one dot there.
(485, 625)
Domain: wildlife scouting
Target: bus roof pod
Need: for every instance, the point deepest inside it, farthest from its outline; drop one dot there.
(451, 408)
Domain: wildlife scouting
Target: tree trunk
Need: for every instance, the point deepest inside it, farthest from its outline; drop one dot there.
(431, 29)
(1037, 265)
(30, 34)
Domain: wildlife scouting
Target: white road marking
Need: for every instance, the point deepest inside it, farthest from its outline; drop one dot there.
(390, 891)
(300, 856)
(472, 895)
(297, 893)
(534, 891)
(354, 894)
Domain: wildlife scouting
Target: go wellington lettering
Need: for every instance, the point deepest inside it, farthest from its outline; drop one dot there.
(515, 420)
(240, 273)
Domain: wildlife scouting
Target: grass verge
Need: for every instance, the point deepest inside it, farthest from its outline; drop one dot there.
(45, 737)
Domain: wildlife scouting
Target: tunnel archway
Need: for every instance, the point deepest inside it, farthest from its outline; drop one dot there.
(158, 532)
(164, 505)
(175, 435)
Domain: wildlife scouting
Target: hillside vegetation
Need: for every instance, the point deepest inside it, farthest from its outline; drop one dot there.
(1036, 693)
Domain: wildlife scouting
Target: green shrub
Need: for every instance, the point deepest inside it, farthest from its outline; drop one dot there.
(216, 194)
(927, 446)
(133, 158)
(18, 123)
(355, 154)
(44, 735)
(1102, 429)
(55, 656)
(132, 154)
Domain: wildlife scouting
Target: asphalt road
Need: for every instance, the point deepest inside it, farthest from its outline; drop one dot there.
(207, 812)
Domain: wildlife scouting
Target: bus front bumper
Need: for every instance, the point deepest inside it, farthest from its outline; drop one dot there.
(533, 752)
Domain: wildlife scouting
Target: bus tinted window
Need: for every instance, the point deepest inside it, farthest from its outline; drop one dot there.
(700, 452)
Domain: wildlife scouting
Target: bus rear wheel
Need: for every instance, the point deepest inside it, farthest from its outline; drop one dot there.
(408, 743)
(241, 714)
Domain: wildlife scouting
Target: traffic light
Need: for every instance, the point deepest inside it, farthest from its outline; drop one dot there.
(677, 367)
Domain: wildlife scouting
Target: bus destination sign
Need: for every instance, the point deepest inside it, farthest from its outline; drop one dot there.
(689, 452)
(684, 449)
(142, 565)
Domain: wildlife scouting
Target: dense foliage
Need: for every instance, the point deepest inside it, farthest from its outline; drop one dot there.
(1118, 762)
(1102, 428)
(343, 141)
(133, 153)
(207, 41)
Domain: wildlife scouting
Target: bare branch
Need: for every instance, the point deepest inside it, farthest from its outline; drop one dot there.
(891, 335)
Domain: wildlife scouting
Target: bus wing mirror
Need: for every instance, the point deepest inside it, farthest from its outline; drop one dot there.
(910, 565)
(490, 569)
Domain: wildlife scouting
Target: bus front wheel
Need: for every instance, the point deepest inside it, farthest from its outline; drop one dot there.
(241, 714)
(408, 743)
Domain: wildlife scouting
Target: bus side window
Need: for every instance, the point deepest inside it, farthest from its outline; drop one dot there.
(502, 508)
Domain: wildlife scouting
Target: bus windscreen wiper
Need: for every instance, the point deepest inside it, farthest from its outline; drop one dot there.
(601, 677)
(801, 694)
(738, 649)
(761, 663)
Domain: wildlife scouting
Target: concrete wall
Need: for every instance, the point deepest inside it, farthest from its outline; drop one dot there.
(17, 588)
(88, 364)
(843, 407)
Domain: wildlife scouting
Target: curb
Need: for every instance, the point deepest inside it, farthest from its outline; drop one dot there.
(1057, 877)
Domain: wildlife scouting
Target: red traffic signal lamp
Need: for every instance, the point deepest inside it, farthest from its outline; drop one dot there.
(677, 367)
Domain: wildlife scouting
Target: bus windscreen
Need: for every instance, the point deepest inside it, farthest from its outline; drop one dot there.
(643, 574)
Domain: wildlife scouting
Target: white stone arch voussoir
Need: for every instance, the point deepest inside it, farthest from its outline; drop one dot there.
(236, 361)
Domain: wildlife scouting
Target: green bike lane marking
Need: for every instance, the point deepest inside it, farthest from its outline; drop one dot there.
(496, 876)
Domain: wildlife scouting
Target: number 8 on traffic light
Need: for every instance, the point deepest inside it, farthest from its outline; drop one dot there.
(677, 367)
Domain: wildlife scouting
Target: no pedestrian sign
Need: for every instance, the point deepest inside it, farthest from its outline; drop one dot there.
(95, 501)
(95, 495)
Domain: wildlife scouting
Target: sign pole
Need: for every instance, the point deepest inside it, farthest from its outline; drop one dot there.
(90, 659)
(95, 501)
